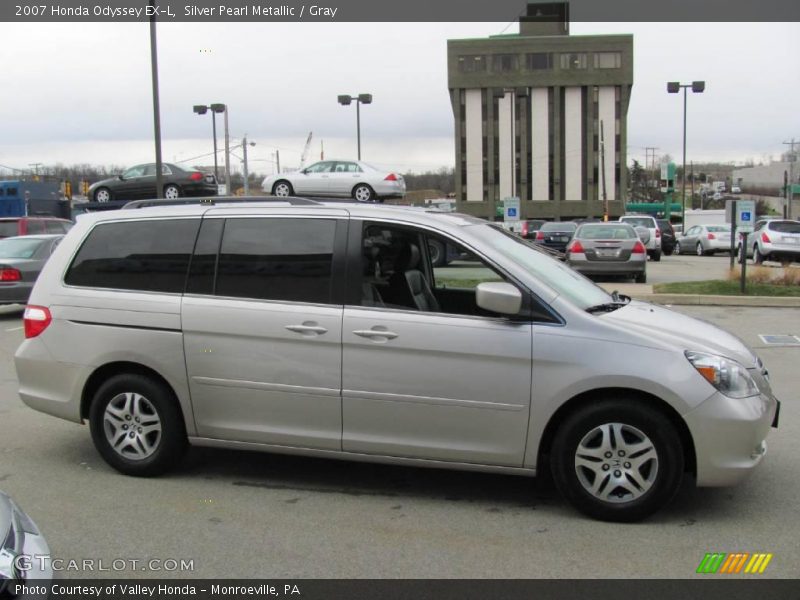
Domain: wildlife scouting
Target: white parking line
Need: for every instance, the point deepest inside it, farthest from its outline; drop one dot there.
(14, 328)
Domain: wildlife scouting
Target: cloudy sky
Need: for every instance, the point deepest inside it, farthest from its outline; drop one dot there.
(80, 93)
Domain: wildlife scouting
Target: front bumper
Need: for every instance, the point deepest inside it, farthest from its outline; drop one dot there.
(730, 436)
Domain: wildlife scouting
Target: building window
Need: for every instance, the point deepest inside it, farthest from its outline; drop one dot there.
(539, 61)
(607, 60)
(573, 60)
(504, 63)
(471, 64)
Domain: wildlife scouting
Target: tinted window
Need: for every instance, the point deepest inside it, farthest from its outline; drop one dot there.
(785, 227)
(138, 255)
(277, 259)
(639, 221)
(204, 260)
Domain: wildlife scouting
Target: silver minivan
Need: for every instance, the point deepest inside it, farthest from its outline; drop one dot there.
(325, 330)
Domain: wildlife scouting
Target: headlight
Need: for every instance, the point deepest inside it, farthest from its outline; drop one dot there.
(728, 376)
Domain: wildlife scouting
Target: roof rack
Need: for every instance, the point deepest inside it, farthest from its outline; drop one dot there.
(214, 200)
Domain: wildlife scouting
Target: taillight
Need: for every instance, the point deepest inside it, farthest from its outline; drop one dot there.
(658, 232)
(765, 238)
(36, 319)
(575, 247)
(711, 236)
(390, 177)
(196, 176)
(9, 274)
(539, 235)
(524, 229)
(638, 248)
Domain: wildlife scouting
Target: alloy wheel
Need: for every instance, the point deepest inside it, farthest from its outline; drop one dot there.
(283, 190)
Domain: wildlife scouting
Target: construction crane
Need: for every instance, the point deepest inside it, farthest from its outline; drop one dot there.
(304, 156)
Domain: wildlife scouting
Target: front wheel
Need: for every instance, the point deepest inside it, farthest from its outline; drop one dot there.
(363, 193)
(102, 195)
(617, 459)
(699, 248)
(282, 189)
(677, 248)
(136, 425)
(171, 192)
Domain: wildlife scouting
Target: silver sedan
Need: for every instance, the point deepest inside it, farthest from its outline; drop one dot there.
(704, 240)
(608, 249)
(340, 178)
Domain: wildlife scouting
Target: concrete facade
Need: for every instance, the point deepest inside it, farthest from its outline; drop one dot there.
(527, 111)
(764, 176)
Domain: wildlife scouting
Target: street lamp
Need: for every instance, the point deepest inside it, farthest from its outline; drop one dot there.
(673, 87)
(202, 109)
(345, 100)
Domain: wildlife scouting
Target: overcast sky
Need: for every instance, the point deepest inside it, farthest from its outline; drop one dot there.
(81, 93)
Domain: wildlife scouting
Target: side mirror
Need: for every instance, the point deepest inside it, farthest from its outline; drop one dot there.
(120, 177)
(498, 297)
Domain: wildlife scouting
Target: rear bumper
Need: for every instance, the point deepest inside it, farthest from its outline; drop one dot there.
(580, 263)
(784, 251)
(200, 189)
(390, 189)
(16, 292)
(730, 436)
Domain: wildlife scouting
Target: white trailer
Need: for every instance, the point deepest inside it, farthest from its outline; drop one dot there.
(703, 217)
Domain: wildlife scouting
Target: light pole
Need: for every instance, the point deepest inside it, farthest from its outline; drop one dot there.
(156, 101)
(345, 100)
(673, 87)
(244, 161)
(202, 109)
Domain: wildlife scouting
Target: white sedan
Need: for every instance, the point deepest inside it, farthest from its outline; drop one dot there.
(342, 178)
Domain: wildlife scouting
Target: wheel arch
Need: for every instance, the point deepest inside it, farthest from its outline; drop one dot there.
(585, 398)
(360, 183)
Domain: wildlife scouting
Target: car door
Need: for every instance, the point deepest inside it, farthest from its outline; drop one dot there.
(315, 179)
(262, 329)
(344, 177)
(690, 239)
(447, 383)
(148, 183)
(132, 184)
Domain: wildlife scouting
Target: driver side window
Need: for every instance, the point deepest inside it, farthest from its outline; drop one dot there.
(137, 171)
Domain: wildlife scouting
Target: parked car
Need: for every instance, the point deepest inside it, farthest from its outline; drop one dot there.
(21, 545)
(654, 245)
(139, 182)
(21, 260)
(668, 237)
(608, 249)
(735, 189)
(530, 227)
(555, 235)
(338, 178)
(705, 240)
(323, 329)
(14, 226)
(772, 239)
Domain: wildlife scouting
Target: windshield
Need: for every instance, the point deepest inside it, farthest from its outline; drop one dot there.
(606, 232)
(20, 248)
(566, 226)
(553, 273)
(639, 221)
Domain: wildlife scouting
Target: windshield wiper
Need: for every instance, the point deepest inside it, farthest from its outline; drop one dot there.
(618, 301)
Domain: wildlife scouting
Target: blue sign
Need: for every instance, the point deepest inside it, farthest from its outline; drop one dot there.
(512, 212)
(745, 216)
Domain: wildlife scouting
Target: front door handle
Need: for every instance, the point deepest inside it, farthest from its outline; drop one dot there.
(376, 333)
(308, 329)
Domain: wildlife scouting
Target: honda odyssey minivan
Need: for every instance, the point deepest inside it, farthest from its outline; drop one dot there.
(325, 330)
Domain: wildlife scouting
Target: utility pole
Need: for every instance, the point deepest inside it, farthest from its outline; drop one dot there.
(244, 160)
(156, 103)
(789, 191)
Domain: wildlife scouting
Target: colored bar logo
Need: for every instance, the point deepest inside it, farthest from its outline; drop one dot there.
(734, 563)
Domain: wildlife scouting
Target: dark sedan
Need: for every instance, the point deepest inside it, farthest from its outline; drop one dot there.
(21, 261)
(139, 182)
(668, 238)
(556, 235)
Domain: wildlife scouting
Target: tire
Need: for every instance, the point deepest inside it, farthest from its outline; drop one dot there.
(438, 253)
(677, 248)
(283, 189)
(758, 258)
(584, 473)
(640, 277)
(102, 194)
(699, 249)
(172, 191)
(669, 252)
(363, 193)
(656, 256)
(117, 405)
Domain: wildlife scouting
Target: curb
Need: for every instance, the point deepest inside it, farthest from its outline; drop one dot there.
(711, 300)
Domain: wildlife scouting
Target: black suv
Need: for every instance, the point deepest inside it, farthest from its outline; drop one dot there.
(667, 236)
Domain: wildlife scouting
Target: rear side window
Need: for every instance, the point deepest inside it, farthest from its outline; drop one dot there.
(277, 259)
(148, 256)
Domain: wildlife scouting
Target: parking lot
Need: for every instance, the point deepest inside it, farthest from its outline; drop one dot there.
(238, 514)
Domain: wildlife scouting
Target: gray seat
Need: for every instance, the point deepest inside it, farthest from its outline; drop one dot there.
(410, 284)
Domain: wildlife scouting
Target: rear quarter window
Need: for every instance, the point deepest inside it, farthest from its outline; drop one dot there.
(149, 255)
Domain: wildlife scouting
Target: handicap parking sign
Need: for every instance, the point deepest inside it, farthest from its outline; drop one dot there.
(745, 216)
(512, 212)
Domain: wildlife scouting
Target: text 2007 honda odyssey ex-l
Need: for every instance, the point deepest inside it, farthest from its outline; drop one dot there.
(324, 330)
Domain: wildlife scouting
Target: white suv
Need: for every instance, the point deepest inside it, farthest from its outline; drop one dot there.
(653, 245)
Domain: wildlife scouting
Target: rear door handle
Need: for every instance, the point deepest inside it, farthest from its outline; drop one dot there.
(376, 334)
(308, 329)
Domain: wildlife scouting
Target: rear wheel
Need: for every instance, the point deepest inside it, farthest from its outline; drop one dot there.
(172, 191)
(641, 277)
(617, 459)
(102, 195)
(656, 256)
(758, 258)
(363, 193)
(677, 247)
(283, 189)
(136, 425)
(699, 249)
